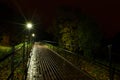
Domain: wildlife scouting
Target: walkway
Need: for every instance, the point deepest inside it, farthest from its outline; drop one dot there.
(45, 64)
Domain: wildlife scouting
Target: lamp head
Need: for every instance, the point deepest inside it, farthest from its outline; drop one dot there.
(29, 25)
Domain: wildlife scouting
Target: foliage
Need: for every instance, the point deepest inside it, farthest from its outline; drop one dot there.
(75, 31)
(4, 50)
(89, 36)
(19, 45)
(19, 67)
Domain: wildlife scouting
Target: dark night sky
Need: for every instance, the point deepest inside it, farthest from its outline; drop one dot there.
(105, 12)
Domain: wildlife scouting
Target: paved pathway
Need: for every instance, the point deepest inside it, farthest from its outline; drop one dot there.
(44, 64)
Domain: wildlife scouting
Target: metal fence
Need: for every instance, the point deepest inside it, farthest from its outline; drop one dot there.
(14, 64)
(77, 59)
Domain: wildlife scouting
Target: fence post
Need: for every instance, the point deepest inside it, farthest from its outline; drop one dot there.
(111, 70)
(12, 62)
(27, 53)
(23, 51)
(23, 56)
(27, 50)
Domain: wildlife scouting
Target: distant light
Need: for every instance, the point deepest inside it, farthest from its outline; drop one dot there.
(29, 25)
(33, 35)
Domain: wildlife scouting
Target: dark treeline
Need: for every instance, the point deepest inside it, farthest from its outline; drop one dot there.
(76, 32)
(79, 33)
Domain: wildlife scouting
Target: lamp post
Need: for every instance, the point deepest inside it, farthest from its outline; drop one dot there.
(29, 27)
(33, 37)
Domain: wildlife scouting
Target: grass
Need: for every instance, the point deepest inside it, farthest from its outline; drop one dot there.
(4, 50)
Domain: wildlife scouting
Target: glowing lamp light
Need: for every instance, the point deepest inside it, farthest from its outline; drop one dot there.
(33, 35)
(29, 25)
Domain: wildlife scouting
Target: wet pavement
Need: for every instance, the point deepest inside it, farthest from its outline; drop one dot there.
(45, 64)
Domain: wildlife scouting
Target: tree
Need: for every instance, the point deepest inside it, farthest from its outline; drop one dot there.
(65, 27)
(89, 35)
(75, 31)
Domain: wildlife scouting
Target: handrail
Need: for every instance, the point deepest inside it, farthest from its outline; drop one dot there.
(13, 64)
(73, 53)
(113, 69)
(14, 69)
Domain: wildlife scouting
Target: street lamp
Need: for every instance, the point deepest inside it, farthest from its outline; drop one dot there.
(33, 37)
(29, 26)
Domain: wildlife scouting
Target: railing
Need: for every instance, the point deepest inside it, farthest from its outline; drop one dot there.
(14, 65)
(77, 59)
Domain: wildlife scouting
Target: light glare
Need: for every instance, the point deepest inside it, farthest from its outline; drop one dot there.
(29, 25)
(33, 35)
